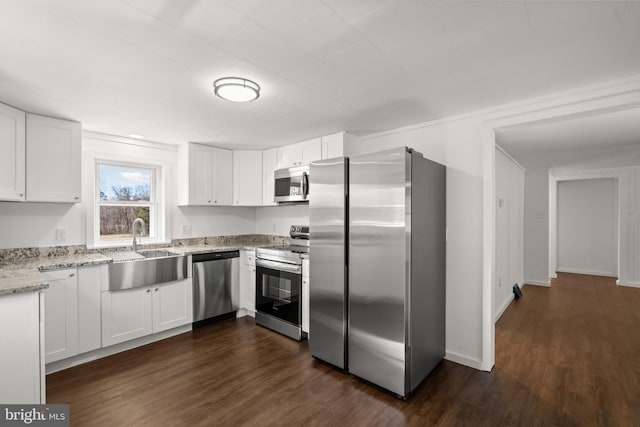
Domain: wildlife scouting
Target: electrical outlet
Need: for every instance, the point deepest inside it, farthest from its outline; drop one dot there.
(61, 234)
(186, 228)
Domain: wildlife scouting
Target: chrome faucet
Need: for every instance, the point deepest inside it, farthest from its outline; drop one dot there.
(141, 222)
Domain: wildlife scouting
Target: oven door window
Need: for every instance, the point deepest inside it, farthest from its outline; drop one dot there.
(278, 294)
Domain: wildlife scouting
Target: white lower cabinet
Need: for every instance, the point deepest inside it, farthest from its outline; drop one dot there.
(126, 315)
(72, 311)
(22, 378)
(90, 280)
(248, 281)
(134, 313)
(305, 296)
(172, 305)
(61, 315)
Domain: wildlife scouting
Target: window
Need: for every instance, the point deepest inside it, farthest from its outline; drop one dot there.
(125, 192)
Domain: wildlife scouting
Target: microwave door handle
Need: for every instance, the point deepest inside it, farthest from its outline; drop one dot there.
(305, 184)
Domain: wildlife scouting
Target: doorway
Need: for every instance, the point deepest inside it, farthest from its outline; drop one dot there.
(587, 233)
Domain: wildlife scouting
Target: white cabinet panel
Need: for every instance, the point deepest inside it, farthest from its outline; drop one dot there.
(269, 164)
(224, 177)
(90, 280)
(53, 160)
(200, 175)
(300, 153)
(247, 178)
(310, 150)
(126, 315)
(172, 305)
(289, 155)
(21, 369)
(137, 312)
(248, 281)
(333, 145)
(61, 315)
(12, 154)
(205, 176)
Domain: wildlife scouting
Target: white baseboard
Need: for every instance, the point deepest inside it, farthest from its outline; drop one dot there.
(242, 312)
(589, 272)
(536, 283)
(630, 284)
(117, 348)
(503, 308)
(463, 360)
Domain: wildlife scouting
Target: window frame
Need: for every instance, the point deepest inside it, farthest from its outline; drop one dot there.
(154, 204)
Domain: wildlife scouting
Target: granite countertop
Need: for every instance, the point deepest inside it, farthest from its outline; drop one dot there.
(203, 249)
(21, 269)
(25, 275)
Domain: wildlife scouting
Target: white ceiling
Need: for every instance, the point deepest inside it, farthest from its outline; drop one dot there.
(604, 140)
(147, 66)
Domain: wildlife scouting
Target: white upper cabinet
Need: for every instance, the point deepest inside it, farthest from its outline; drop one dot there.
(247, 178)
(333, 145)
(12, 154)
(300, 153)
(53, 160)
(311, 150)
(205, 176)
(224, 177)
(269, 164)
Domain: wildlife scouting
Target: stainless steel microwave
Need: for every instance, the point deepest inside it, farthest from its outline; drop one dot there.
(292, 184)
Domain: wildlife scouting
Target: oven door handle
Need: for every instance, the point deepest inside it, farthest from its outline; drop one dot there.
(290, 268)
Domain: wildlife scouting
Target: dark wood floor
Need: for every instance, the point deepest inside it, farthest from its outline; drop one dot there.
(565, 355)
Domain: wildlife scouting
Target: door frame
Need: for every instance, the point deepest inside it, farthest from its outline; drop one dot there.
(620, 175)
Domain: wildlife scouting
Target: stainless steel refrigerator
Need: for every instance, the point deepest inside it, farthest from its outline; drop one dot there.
(377, 266)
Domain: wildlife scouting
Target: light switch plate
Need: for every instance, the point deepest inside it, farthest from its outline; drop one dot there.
(186, 228)
(61, 234)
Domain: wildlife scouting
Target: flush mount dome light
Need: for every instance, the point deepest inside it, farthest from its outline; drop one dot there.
(236, 89)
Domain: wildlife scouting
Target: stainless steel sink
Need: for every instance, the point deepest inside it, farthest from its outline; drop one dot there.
(145, 268)
(152, 253)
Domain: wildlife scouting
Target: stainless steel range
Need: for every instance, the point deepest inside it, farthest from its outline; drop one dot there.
(279, 284)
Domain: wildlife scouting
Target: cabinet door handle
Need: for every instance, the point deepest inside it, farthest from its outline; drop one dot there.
(209, 201)
(77, 198)
(148, 290)
(21, 194)
(72, 274)
(156, 289)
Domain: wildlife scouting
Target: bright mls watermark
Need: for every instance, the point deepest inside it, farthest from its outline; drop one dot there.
(34, 415)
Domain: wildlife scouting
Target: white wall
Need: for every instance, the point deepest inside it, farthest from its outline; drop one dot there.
(212, 221)
(536, 227)
(277, 219)
(455, 144)
(509, 231)
(34, 224)
(588, 226)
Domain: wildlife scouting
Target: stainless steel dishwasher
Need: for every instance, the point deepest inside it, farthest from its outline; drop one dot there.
(215, 286)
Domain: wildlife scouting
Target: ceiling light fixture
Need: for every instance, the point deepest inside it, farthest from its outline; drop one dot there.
(236, 89)
(136, 136)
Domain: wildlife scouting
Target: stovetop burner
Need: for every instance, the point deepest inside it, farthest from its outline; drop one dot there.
(291, 253)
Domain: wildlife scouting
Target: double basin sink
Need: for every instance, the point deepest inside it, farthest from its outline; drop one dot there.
(145, 268)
